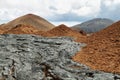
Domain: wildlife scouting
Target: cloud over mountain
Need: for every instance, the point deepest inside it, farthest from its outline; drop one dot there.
(61, 10)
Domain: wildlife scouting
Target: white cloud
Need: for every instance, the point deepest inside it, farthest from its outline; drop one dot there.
(10, 9)
(84, 11)
(88, 8)
(79, 7)
(15, 8)
(112, 4)
(69, 24)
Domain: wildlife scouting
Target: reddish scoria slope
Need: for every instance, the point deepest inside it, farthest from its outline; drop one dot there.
(23, 29)
(63, 30)
(103, 50)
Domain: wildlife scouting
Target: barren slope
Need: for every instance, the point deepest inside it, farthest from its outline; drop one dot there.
(29, 19)
(23, 29)
(63, 30)
(103, 50)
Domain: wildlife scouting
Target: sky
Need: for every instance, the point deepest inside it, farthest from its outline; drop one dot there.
(61, 11)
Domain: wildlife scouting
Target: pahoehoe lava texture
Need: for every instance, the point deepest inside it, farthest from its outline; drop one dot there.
(29, 57)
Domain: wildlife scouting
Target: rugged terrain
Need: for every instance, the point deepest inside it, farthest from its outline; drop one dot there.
(28, 57)
(62, 53)
(61, 30)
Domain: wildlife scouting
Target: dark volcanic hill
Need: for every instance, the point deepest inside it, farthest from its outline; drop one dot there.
(103, 50)
(29, 19)
(93, 25)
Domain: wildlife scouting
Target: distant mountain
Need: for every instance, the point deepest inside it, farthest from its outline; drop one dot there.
(29, 19)
(93, 25)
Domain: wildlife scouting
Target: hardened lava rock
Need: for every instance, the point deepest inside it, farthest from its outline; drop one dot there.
(29, 57)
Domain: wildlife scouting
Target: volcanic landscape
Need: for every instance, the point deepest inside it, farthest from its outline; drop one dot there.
(32, 48)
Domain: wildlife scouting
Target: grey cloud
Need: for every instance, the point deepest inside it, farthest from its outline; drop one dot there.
(53, 8)
(106, 12)
(68, 17)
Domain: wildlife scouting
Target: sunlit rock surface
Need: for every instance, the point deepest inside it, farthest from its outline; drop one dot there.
(28, 57)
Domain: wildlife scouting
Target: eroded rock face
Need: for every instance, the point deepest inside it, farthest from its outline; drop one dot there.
(28, 57)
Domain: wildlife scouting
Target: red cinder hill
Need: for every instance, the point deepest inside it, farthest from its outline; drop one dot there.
(63, 30)
(23, 29)
(103, 50)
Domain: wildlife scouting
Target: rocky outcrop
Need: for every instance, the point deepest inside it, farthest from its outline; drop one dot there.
(28, 57)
